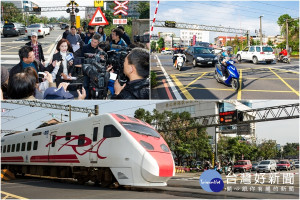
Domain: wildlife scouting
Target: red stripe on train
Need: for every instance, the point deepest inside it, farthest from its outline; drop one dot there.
(55, 158)
(12, 159)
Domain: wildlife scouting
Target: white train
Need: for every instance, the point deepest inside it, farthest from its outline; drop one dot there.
(105, 149)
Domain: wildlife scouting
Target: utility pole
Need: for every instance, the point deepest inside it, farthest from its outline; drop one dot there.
(260, 30)
(287, 35)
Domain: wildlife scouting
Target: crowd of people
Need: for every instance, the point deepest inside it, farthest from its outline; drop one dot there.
(32, 78)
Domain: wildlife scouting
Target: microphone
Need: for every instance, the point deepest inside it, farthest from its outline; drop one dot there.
(69, 57)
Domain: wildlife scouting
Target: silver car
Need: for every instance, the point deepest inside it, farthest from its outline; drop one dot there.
(267, 166)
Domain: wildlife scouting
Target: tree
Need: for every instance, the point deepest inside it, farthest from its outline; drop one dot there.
(143, 8)
(11, 13)
(33, 19)
(153, 46)
(143, 115)
(267, 149)
(161, 43)
(270, 43)
(291, 150)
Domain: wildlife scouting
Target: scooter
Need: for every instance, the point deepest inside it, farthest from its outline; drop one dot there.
(284, 59)
(179, 61)
(228, 170)
(232, 75)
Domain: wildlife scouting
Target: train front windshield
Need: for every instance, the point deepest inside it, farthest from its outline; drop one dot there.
(140, 129)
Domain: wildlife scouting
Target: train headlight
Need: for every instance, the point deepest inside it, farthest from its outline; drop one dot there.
(164, 148)
(146, 145)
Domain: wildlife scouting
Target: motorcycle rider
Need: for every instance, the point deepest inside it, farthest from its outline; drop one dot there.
(179, 50)
(282, 54)
(225, 55)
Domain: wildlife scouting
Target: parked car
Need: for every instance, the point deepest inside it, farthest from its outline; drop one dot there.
(63, 26)
(200, 56)
(40, 29)
(254, 166)
(166, 52)
(267, 166)
(257, 54)
(15, 29)
(284, 165)
(297, 164)
(242, 166)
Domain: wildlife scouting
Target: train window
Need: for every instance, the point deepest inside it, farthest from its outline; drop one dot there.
(133, 119)
(111, 131)
(13, 148)
(4, 149)
(81, 140)
(36, 134)
(35, 145)
(8, 148)
(95, 134)
(23, 146)
(53, 140)
(68, 135)
(29, 146)
(140, 129)
(18, 147)
(120, 116)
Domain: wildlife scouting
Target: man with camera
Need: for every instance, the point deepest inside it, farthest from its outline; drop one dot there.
(136, 68)
(116, 36)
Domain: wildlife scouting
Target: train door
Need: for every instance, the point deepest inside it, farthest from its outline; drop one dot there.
(95, 138)
(52, 147)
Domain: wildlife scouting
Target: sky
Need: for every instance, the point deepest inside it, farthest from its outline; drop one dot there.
(282, 131)
(234, 14)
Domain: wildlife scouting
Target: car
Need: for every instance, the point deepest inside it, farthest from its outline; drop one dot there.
(283, 165)
(40, 29)
(15, 29)
(257, 54)
(254, 166)
(166, 52)
(63, 26)
(267, 166)
(242, 166)
(297, 164)
(200, 56)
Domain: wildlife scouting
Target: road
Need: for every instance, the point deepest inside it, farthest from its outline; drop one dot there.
(183, 185)
(261, 81)
(11, 45)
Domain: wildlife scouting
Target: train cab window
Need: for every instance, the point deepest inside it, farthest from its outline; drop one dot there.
(111, 131)
(4, 149)
(53, 140)
(120, 116)
(36, 134)
(8, 148)
(18, 147)
(81, 140)
(29, 146)
(13, 148)
(68, 135)
(95, 134)
(140, 129)
(35, 145)
(23, 146)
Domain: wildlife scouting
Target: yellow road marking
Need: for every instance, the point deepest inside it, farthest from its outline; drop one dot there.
(244, 90)
(211, 89)
(272, 78)
(297, 93)
(181, 87)
(195, 80)
(11, 195)
(285, 70)
(239, 95)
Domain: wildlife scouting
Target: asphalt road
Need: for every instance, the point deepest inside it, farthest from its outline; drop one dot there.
(261, 81)
(11, 45)
(185, 185)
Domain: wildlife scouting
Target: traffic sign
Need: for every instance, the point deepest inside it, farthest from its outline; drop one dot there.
(98, 4)
(119, 21)
(228, 117)
(98, 18)
(120, 6)
(77, 21)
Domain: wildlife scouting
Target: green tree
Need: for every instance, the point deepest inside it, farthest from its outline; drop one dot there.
(291, 150)
(143, 8)
(161, 43)
(270, 43)
(143, 115)
(32, 19)
(267, 149)
(11, 13)
(293, 30)
(153, 46)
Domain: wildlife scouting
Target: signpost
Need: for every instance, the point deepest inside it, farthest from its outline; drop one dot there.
(98, 19)
(228, 117)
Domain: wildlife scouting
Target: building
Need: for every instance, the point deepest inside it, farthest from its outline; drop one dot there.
(187, 36)
(25, 5)
(205, 108)
(221, 41)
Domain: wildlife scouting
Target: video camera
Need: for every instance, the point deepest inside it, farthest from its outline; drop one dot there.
(142, 38)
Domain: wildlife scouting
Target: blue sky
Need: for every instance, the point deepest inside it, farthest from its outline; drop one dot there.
(235, 14)
(282, 131)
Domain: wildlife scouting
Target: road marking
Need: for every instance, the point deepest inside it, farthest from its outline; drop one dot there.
(271, 78)
(167, 89)
(297, 93)
(182, 88)
(289, 71)
(171, 84)
(195, 80)
(11, 195)
(239, 95)
(244, 90)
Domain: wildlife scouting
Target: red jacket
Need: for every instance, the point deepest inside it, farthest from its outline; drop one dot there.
(284, 52)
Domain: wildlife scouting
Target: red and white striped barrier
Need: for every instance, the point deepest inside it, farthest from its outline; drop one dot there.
(154, 19)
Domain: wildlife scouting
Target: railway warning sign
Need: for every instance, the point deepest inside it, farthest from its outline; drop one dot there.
(98, 18)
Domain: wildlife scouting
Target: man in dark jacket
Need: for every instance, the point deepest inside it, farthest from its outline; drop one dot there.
(136, 68)
(66, 33)
(124, 36)
(27, 59)
(37, 48)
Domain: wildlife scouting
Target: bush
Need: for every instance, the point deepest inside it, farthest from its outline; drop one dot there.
(153, 79)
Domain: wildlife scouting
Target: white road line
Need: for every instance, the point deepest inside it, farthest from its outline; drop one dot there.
(173, 88)
(53, 50)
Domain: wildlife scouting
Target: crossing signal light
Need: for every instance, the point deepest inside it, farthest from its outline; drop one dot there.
(36, 9)
(228, 117)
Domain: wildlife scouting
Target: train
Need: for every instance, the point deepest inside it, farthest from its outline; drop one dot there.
(108, 149)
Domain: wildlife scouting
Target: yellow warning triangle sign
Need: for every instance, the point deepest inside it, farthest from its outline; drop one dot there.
(98, 18)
